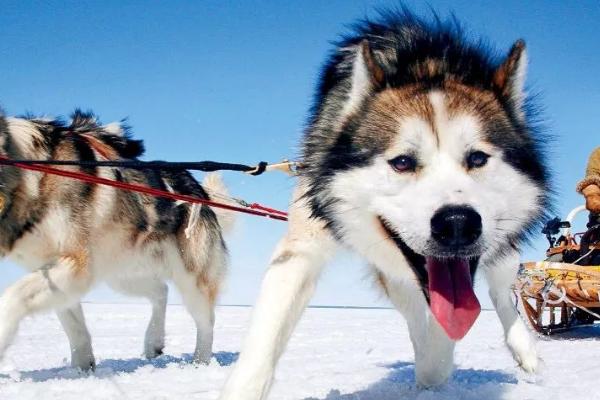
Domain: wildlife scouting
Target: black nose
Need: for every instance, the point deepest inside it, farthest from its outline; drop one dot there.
(456, 226)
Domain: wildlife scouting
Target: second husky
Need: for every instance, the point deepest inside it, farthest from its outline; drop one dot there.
(71, 235)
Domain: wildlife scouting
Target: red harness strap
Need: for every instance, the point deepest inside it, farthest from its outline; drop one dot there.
(254, 209)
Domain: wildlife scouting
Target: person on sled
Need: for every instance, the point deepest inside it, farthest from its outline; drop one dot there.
(590, 188)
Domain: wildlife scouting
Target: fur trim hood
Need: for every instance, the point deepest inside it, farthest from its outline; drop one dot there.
(592, 172)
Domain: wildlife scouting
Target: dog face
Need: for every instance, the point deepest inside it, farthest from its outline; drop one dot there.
(437, 176)
(429, 156)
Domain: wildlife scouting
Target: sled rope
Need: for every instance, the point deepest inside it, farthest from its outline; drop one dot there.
(242, 207)
(583, 256)
(587, 310)
(289, 167)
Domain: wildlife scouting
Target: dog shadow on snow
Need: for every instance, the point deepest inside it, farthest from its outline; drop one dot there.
(466, 384)
(109, 367)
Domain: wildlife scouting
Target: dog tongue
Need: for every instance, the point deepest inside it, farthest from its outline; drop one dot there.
(452, 299)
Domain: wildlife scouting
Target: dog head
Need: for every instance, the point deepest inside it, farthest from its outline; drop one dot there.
(423, 140)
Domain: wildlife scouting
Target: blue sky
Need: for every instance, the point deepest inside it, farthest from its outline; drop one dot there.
(232, 81)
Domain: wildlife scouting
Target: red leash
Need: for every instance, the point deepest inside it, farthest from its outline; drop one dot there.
(253, 209)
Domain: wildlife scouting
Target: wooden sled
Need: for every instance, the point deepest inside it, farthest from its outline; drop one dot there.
(552, 292)
(558, 295)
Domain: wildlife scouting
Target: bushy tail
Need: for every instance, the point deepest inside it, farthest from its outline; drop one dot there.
(217, 191)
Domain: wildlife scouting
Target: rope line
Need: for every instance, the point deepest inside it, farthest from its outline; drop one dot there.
(253, 209)
(204, 166)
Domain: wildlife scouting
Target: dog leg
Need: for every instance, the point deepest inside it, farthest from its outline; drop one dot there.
(73, 322)
(434, 351)
(154, 341)
(501, 277)
(156, 291)
(286, 289)
(58, 285)
(198, 303)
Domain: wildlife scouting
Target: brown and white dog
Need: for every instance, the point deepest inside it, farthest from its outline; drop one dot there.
(421, 155)
(71, 235)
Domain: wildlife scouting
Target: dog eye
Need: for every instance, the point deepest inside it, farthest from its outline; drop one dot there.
(403, 163)
(477, 159)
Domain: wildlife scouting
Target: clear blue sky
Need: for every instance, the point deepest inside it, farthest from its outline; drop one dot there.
(232, 81)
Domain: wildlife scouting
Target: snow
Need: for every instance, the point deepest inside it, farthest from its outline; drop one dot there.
(335, 354)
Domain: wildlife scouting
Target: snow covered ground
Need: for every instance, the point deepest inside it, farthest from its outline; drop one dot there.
(336, 354)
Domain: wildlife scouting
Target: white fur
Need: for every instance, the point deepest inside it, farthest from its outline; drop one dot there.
(518, 93)
(286, 289)
(114, 128)
(50, 287)
(215, 187)
(125, 267)
(73, 322)
(500, 275)
(433, 349)
(408, 201)
(360, 85)
(63, 268)
(23, 133)
(104, 197)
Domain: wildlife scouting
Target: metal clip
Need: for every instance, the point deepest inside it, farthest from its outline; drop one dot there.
(286, 166)
(289, 167)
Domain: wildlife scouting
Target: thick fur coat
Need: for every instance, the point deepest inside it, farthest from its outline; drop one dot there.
(71, 234)
(422, 155)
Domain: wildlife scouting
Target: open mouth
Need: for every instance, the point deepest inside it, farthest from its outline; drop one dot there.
(447, 282)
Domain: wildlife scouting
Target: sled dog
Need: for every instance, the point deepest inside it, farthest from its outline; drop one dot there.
(422, 155)
(71, 235)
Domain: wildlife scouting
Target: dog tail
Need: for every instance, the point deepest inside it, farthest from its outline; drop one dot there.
(217, 191)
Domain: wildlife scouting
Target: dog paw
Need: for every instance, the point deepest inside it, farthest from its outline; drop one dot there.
(522, 346)
(85, 363)
(202, 358)
(431, 380)
(154, 344)
(151, 352)
(433, 375)
(529, 362)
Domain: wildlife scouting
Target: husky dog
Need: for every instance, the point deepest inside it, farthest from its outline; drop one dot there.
(71, 235)
(420, 155)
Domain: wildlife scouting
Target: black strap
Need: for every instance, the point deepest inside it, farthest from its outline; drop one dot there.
(205, 166)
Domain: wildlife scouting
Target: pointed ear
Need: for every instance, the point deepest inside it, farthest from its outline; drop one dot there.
(366, 77)
(509, 78)
(375, 73)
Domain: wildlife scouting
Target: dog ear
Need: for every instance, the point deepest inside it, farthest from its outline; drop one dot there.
(375, 73)
(366, 77)
(509, 77)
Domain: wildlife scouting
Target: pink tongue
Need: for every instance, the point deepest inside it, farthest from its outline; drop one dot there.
(452, 299)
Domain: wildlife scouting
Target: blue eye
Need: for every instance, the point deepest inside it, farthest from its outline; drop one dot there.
(477, 159)
(403, 163)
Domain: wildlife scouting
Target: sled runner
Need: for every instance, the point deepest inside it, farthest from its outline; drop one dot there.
(563, 291)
